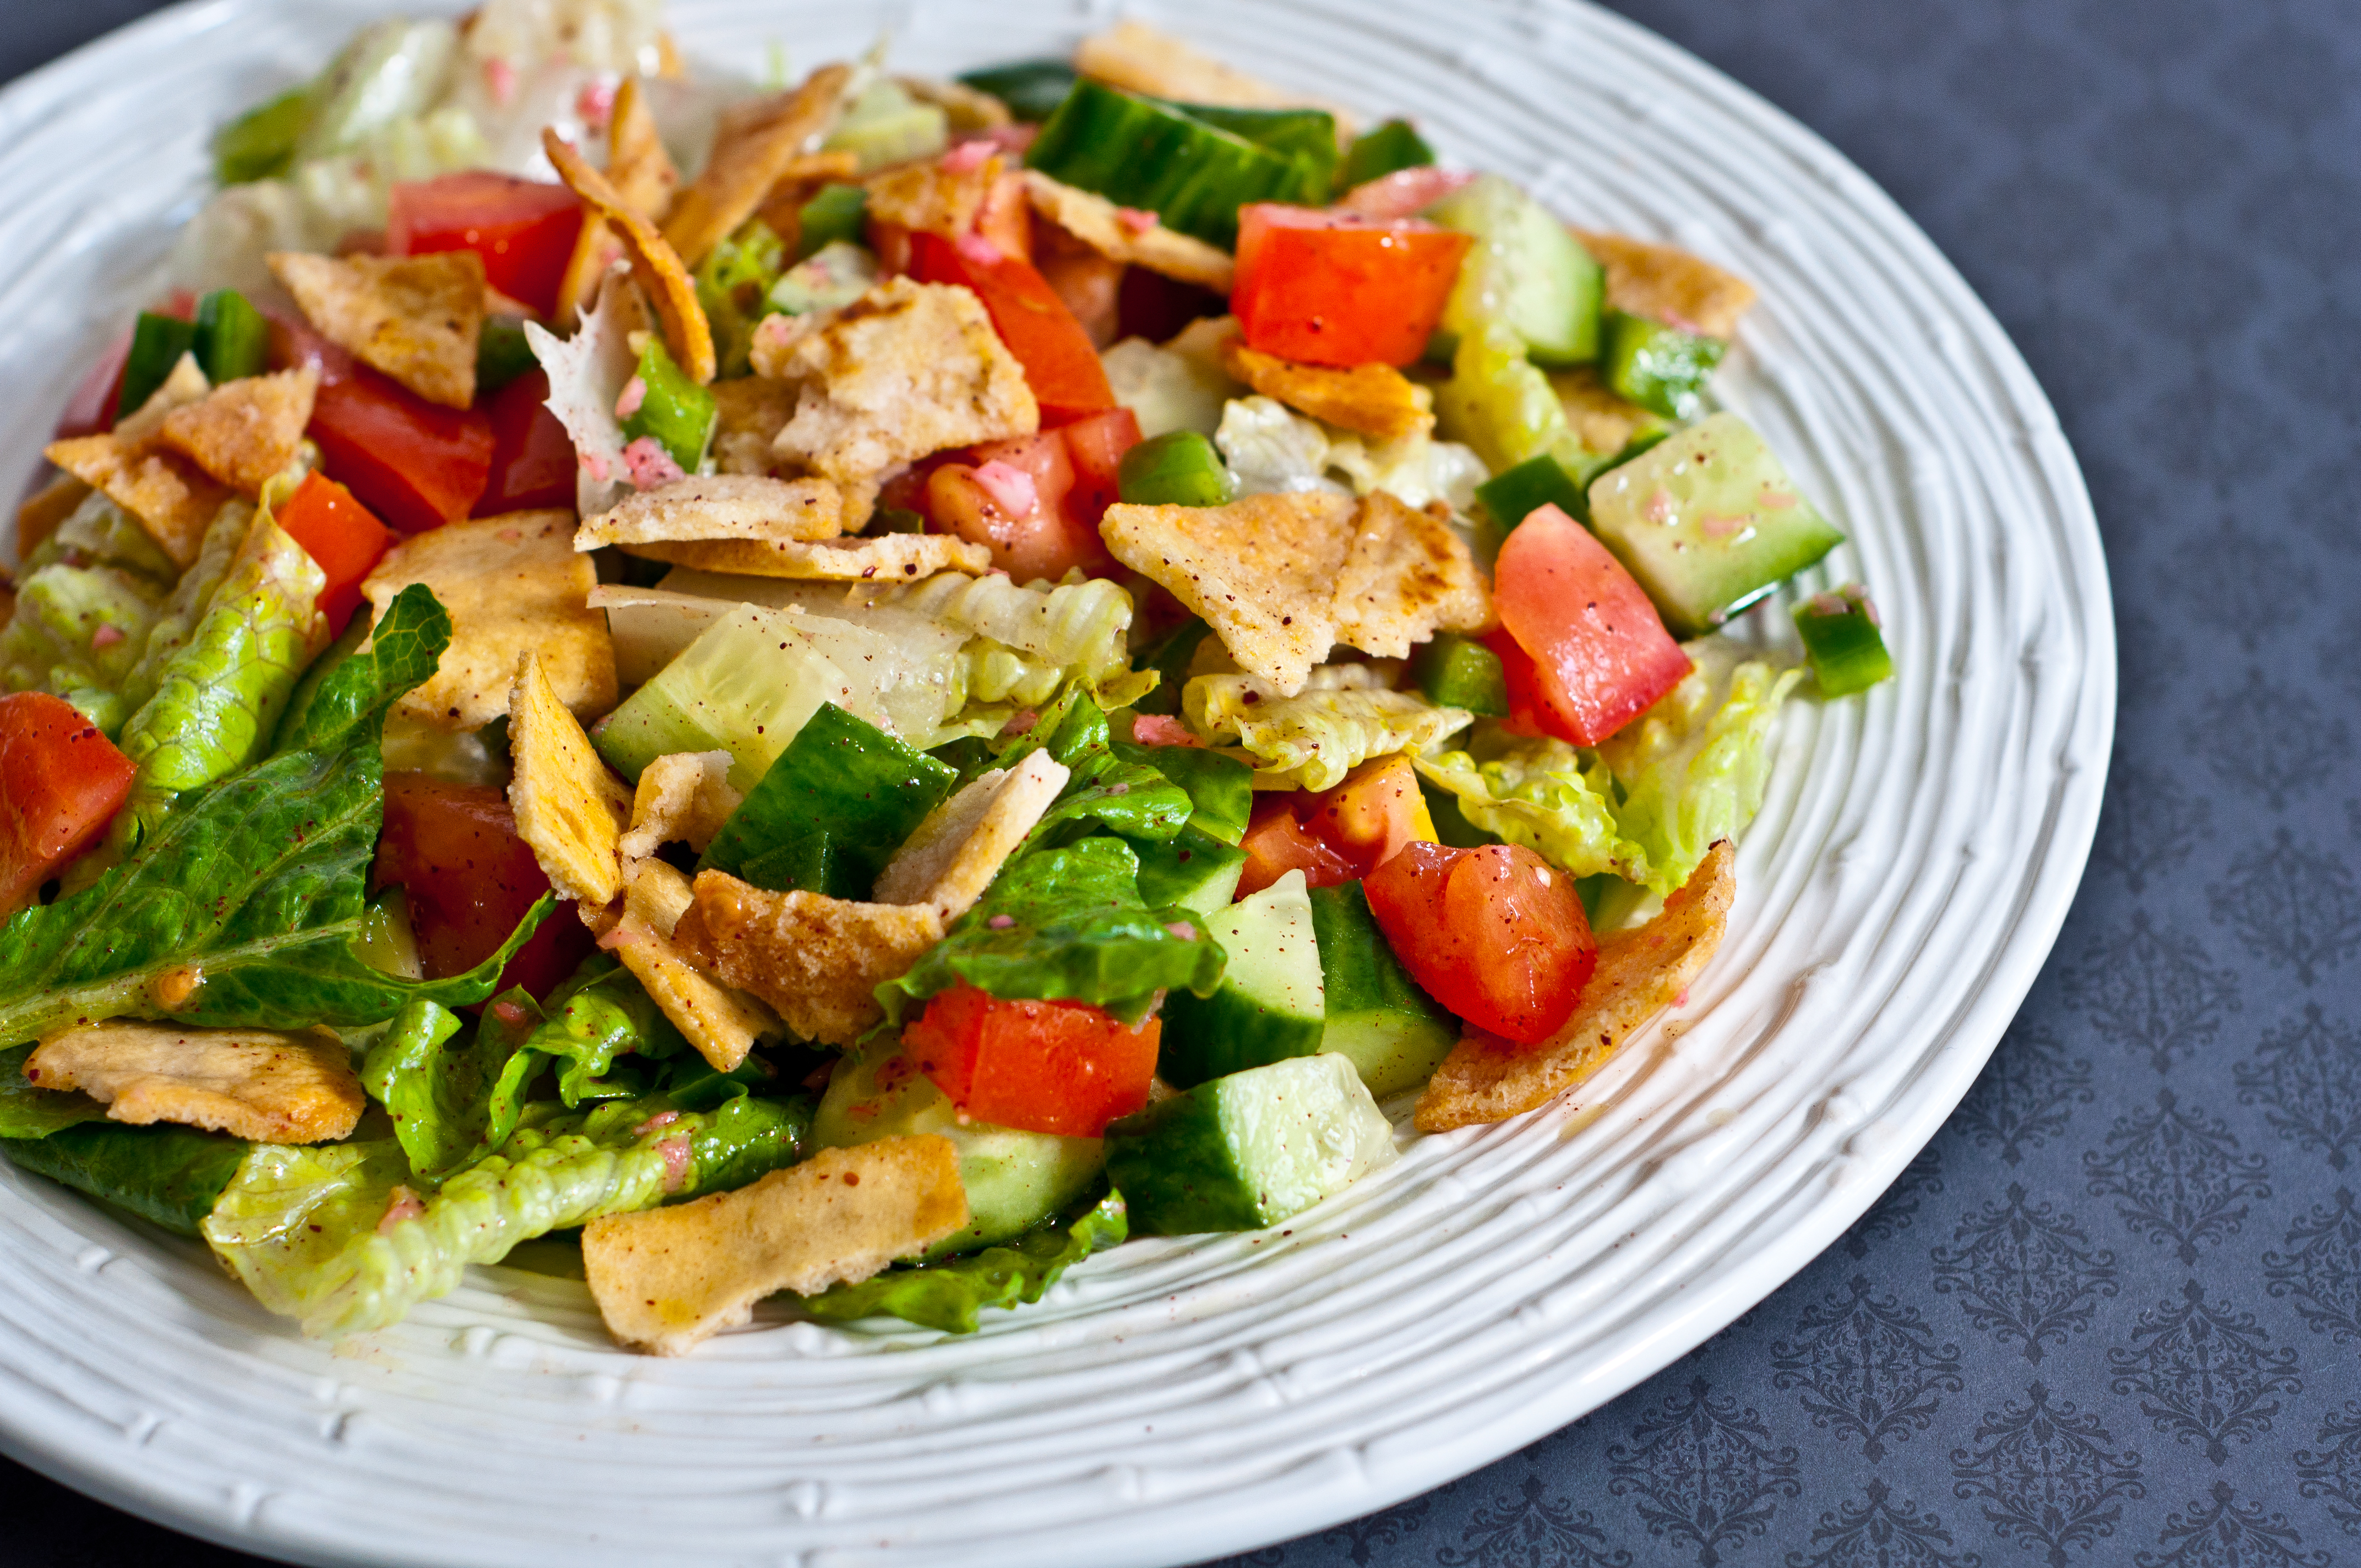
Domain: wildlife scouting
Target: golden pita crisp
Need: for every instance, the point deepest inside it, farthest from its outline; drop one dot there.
(966, 108)
(719, 1022)
(512, 585)
(1666, 283)
(954, 854)
(721, 506)
(1639, 974)
(1408, 575)
(244, 432)
(417, 318)
(752, 149)
(1375, 400)
(272, 1087)
(654, 264)
(748, 411)
(883, 558)
(667, 1279)
(644, 175)
(1262, 572)
(818, 960)
(1100, 223)
(682, 797)
(931, 197)
(1600, 420)
(568, 807)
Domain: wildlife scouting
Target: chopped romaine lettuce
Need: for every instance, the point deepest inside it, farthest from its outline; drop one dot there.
(1540, 792)
(1271, 447)
(1341, 720)
(1181, 386)
(28, 1110)
(450, 1106)
(171, 1176)
(951, 1295)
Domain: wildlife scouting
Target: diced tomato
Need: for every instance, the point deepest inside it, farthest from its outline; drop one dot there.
(1339, 288)
(294, 344)
(1368, 818)
(1044, 1066)
(524, 230)
(1601, 652)
(1005, 220)
(1095, 445)
(1060, 364)
(454, 849)
(342, 535)
(1015, 497)
(1276, 842)
(1496, 933)
(60, 783)
(415, 464)
(532, 458)
(1404, 193)
(92, 408)
(1150, 306)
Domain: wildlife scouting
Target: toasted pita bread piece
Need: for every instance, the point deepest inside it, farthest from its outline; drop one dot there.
(1601, 420)
(967, 108)
(644, 175)
(683, 798)
(1261, 571)
(721, 1022)
(244, 432)
(38, 514)
(747, 413)
(721, 506)
(667, 1279)
(961, 845)
(417, 318)
(1641, 972)
(512, 585)
(1408, 575)
(932, 196)
(1104, 226)
(753, 148)
(568, 807)
(818, 960)
(654, 264)
(1668, 284)
(261, 1084)
(1376, 400)
(885, 558)
(905, 370)
(1141, 59)
(173, 499)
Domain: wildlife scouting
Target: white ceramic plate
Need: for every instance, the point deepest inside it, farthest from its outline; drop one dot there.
(1175, 1401)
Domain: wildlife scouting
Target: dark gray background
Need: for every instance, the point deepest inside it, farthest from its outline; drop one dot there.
(2112, 1314)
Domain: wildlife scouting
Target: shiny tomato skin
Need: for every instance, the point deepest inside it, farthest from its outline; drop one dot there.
(1276, 842)
(60, 783)
(1367, 818)
(415, 464)
(454, 849)
(1045, 540)
(1060, 365)
(1328, 288)
(1042, 1067)
(523, 229)
(1600, 653)
(1095, 445)
(91, 409)
(533, 464)
(1496, 933)
(339, 533)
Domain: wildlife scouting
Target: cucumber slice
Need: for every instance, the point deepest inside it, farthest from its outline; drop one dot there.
(1271, 1004)
(1031, 88)
(1306, 138)
(832, 811)
(1387, 149)
(157, 344)
(1145, 154)
(1191, 871)
(233, 338)
(1248, 1150)
(1515, 493)
(1526, 271)
(1661, 369)
(1842, 641)
(1379, 1019)
(1457, 672)
(1708, 521)
(1014, 1179)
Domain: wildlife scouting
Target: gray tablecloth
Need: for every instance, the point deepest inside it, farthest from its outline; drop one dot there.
(2112, 1314)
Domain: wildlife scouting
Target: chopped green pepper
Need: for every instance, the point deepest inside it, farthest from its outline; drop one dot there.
(1842, 641)
(836, 212)
(501, 354)
(261, 143)
(1177, 468)
(675, 409)
(1660, 368)
(731, 286)
(1458, 672)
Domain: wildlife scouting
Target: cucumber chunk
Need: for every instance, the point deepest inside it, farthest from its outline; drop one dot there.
(1458, 672)
(1271, 1002)
(1379, 1019)
(1248, 1150)
(1194, 870)
(157, 344)
(1162, 159)
(1708, 521)
(233, 338)
(832, 811)
(1014, 1179)
(1660, 368)
(1514, 494)
(1031, 88)
(1842, 641)
(1526, 271)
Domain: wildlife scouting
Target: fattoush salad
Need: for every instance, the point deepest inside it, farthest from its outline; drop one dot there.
(858, 687)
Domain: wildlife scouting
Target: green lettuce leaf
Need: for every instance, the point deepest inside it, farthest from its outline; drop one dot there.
(29, 1112)
(186, 606)
(831, 810)
(599, 1014)
(76, 633)
(1108, 789)
(951, 1295)
(343, 694)
(1541, 793)
(1065, 924)
(334, 1236)
(1220, 787)
(450, 1106)
(172, 1176)
(1693, 768)
(1343, 717)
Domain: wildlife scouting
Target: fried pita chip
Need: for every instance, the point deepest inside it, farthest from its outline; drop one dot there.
(721, 506)
(683, 798)
(932, 197)
(512, 585)
(644, 175)
(1140, 58)
(1639, 974)
(1601, 420)
(1261, 571)
(722, 1023)
(244, 432)
(417, 318)
(818, 960)
(568, 807)
(1101, 225)
(1408, 575)
(748, 411)
(1666, 283)
(905, 370)
(173, 499)
(752, 149)
(967, 108)
(884, 558)
(261, 1084)
(667, 1279)
(654, 264)
(1375, 400)
(38, 514)
(954, 854)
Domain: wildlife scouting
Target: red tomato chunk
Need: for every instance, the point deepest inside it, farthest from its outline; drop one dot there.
(1044, 1066)
(524, 230)
(1496, 933)
(532, 458)
(1330, 288)
(60, 783)
(1060, 364)
(342, 535)
(414, 464)
(1597, 653)
(454, 849)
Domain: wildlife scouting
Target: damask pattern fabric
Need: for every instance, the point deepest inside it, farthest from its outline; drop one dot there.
(2113, 1313)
